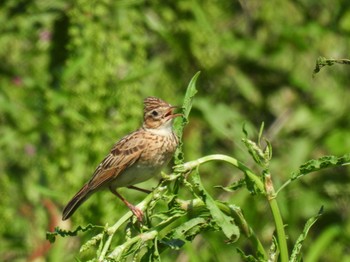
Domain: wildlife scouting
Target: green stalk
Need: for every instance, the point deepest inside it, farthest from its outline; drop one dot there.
(268, 188)
(281, 235)
(182, 168)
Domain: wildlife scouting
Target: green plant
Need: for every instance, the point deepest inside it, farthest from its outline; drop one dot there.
(172, 220)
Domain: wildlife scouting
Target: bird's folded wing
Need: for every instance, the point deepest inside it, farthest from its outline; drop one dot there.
(124, 154)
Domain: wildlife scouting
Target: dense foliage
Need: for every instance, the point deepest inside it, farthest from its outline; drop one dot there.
(73, 75)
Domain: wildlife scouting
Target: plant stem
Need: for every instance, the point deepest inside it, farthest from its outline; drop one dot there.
(267, 187)
(281, 235)
(192, 164)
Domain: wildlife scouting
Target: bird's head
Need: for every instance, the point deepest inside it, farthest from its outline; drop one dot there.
(158, 114)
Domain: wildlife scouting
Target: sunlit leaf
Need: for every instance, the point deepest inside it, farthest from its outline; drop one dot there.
(319, 164)
(225, 222)
(186, 108)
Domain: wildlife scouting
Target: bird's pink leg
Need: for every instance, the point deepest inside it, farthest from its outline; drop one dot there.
(135, 210)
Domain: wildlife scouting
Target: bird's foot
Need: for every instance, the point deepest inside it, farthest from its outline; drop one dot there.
(137, 212)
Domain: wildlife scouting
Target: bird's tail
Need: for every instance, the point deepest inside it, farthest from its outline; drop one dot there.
(76, 201)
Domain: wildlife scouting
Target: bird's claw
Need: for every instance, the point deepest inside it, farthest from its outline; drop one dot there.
(138, 213)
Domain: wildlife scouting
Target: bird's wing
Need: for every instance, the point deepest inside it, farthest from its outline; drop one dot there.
(123, 154)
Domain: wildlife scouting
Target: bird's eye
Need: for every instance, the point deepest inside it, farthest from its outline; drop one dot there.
(154, 113)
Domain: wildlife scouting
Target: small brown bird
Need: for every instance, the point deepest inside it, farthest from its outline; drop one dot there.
(135, 158)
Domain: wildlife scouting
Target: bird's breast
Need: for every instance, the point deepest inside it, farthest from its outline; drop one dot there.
(155, 156)
(159, 150)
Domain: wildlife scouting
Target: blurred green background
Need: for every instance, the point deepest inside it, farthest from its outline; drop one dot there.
(73, 75)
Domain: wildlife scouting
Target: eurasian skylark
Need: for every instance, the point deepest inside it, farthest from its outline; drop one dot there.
(135, 158)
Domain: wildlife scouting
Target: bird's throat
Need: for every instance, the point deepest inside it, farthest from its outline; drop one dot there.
(163, 130)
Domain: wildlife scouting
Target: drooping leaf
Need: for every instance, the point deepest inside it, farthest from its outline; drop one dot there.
(296, 255)
(225, 222)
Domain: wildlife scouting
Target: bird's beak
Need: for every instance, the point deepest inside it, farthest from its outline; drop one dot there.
(170, 114)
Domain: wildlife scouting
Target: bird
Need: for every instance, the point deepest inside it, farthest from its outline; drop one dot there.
(135, 158)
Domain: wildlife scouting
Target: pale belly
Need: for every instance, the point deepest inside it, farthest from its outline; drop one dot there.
(135, 175)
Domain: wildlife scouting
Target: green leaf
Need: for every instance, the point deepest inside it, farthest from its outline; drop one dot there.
(190, 229)
(260, 156)
(320, 163)
(51, 236)
(190, 93)
(322, 61)
(296, 255)
(233, 186)
(254, 150)
(225, 222)
(186, 109)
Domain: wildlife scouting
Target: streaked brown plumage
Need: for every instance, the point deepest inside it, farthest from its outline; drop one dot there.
(135, 158)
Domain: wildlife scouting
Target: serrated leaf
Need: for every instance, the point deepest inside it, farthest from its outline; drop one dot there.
(322, 61)
(186, 109)
(225, 222)
(321, 163)
(51, 236)
(299, 243)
